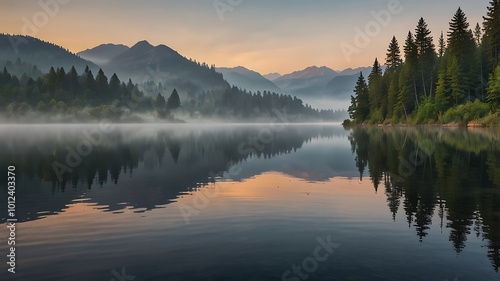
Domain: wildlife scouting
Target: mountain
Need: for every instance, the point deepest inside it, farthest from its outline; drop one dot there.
(272, 76)
(312, 72)
(40, 53)
(144, 62)
(366, 71)
(306, 83)
(341, 87)
(103, 54)
(247, 79)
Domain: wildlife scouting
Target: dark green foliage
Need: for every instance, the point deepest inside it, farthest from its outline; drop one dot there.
(494, 89)
(465, 112)
(393, 59)
(377, 93)
(429, 86)
(492, 33)
(459, 38)
(58, 90)
(174, 101)
(360, 107)
(68, 93)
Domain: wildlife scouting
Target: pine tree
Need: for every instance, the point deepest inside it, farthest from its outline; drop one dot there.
(89, 81)
(462, 47)
(392, 95)
(410, 49)
(101, 83)
(376, 93)
(423, 38)
(393, 59)
(442, 45)
(493, 90)
(173, 101)
(426, 56)
(50, 80)
(459, 37)
(114, 86)
(492, 32)
(455, 81)
(360, 106)
(160, 102)
(61, 78)
(442, 93)
(352, 109)
(406, 97)
(478, 35)
(407, 81)
(73, 84)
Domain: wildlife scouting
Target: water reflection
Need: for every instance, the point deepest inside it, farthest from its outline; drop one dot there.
(149, 166)
(453, 172)
(439, 180)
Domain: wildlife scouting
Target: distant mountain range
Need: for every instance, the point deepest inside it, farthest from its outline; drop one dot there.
(144, 62)
(314, 85)
(40, 53)
(272, 76)
(307, 83)
(248, 79)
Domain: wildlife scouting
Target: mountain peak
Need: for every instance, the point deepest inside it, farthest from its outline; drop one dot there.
(142, 44)
(103, 53)
(311, 72)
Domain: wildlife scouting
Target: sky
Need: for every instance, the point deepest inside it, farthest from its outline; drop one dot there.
(263, 35)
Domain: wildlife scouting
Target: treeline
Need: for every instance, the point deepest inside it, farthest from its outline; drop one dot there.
(67, 93)
(456, 81)
(247, 105)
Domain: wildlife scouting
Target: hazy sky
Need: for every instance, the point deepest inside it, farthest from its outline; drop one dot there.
(263, 35)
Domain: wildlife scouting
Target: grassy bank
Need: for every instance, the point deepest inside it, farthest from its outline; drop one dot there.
(471, 114)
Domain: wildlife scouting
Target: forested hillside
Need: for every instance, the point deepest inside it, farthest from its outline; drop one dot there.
(455, 81)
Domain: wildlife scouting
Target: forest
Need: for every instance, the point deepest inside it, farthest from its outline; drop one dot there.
(27, 93)
(455, 82)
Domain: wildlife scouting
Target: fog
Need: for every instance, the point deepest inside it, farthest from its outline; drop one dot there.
(328, 103)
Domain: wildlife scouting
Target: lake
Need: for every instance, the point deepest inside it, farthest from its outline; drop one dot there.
(251, 202)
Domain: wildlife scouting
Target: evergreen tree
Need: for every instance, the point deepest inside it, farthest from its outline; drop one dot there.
(393, 59)
(493, 90)
(442, 93)
(174, 101)
(89, 81)
(160, 102)
(442, 45)
(352, 109)
(478, 35)
(455, 81)
(492, 32)
(423, 38)
(114, 86)
(61, 78)
(101, 82)
(378, 101)
(407, 79)
(407, 96)
(360, 108)
(392, 94)
(410, 49)
(459, 38)
(426, 57)
(73, 84)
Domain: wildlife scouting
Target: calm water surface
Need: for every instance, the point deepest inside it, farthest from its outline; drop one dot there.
(252, 202)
